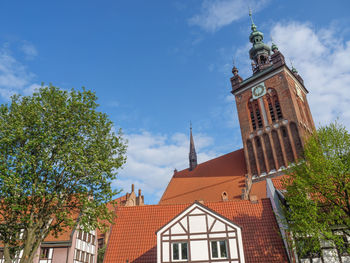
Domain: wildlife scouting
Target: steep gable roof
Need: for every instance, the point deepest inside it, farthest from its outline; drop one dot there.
(208, 180)
(133, 235)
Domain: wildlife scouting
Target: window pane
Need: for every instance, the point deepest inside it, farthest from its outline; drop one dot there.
(184, 251)
(214, 249)
(223, 252)
(176, 251)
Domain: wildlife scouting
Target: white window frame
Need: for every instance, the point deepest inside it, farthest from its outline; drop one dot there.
(179, 244)
(219, 249)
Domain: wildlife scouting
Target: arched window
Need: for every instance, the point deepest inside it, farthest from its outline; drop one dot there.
(255, 115)
(274, 105)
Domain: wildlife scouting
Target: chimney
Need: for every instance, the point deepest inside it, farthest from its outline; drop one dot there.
(132, 188)
(139, 192)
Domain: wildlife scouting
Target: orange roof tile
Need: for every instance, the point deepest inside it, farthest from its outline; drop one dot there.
(133, 235)
(111, 207)
(208, 180)
(278, 182)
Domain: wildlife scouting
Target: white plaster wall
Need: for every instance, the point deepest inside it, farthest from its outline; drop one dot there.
(219, 235)
(197, 224)
(218, 227)
(233, 248)
(177, 229)
(199, 250)
(165, 251)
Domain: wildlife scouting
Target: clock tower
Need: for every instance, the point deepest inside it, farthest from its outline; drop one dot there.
(273, 111)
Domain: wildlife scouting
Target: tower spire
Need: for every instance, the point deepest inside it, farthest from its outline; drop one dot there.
(260, 52)
(192, 154)
(253, 27)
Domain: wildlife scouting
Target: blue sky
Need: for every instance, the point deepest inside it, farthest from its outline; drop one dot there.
(157, 65)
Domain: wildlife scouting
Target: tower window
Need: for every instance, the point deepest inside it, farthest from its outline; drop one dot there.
(274, 105)
(255, 115)
(258, 116)
(253, 120)
(272, 113)
(278, 109)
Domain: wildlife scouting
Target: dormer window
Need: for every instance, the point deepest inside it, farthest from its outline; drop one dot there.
(180, 251)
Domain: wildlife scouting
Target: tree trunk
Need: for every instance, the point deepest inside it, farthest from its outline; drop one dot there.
(32, 243)
(7, 255)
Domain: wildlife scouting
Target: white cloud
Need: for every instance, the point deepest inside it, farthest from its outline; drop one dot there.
(153, 158)
(322, 58)
(14, 76)
(215, 14)
(29, 50)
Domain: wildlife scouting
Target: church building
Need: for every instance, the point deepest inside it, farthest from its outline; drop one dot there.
(224, 210)
(275, 120)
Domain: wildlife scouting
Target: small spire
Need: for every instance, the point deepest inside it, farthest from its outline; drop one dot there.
(253, 27)
(192, 155)
(274, 47)
(234, 69)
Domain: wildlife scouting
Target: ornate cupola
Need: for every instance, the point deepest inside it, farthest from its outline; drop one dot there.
(260, 52)
(192, 155)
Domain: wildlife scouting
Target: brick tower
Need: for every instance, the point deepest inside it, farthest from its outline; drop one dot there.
(273, 111)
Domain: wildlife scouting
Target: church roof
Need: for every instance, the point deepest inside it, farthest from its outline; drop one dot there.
(133, 236)
(208, 180)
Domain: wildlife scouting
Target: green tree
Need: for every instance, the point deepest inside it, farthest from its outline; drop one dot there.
(318, 189)
(58, 156)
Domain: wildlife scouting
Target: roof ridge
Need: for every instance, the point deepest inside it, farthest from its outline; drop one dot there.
(187, 204)
(210, 160)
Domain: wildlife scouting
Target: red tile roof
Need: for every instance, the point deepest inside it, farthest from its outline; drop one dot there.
(111, 206)
(209, 180)
(278, 182)
(133, 235)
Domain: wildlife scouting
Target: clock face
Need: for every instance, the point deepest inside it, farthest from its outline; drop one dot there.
(258, 91)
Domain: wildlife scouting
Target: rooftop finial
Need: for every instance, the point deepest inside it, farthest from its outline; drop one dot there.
(274, 47)
(294, 70)
(234, 69)
(251, 19)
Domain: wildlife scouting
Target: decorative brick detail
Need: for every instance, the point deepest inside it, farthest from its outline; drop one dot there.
(276, 144)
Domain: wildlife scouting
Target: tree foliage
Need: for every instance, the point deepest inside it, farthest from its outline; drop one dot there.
(318, 189)
(58, 156)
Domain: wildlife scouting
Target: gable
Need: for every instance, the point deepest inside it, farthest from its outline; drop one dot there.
(133, 236)
(197, 226)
